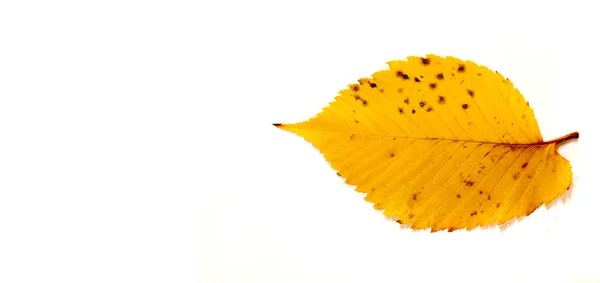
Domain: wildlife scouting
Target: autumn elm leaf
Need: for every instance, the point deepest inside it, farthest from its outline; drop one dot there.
(441, 143)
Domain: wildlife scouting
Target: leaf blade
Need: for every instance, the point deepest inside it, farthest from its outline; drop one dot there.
(439, 143)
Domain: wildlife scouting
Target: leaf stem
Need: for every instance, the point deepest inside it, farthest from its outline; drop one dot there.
(573, 135)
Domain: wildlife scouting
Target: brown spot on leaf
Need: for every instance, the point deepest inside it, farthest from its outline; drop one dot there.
(400, 90)
(469, 183)
(479, 74)
(392, 155)
(338, 173)
(471, 93)
(277, 125)
(457, 195)
(413, 111)
(373, 85)
(480, 192)
(425, 61)
(465, 106)
(406, 101)
(516, 176)
(432, 85)
(415, 196)
(352, 136)
(429, 109)
(410, 215)
(365, 103)
(441, 99)
(400, 110)
(473, 213)
(489, 197)
(400, 74)
(461, 68)
(524, 165)
(422, 103)
(356, 121)
(529, 176)
(440, 76)
(417, 80)
(355, 88)
(497, 205)
(451, 229)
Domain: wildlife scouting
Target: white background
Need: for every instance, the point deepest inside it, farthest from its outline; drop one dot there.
(136, 142)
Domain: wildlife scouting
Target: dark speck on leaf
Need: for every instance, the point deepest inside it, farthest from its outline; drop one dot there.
(461, 68)
(465, 106)
(417, 79)
(373, 85)
(432, 85)
(413, 111)
(440, 76)
(425, 61)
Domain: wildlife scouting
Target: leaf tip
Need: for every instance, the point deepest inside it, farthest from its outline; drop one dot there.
(277, 125)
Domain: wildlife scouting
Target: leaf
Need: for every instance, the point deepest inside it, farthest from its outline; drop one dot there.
(439, 143)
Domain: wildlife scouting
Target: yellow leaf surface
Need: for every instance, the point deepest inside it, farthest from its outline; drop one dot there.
(437, 142)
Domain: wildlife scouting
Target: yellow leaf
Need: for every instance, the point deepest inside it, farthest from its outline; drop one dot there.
(440, 143)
